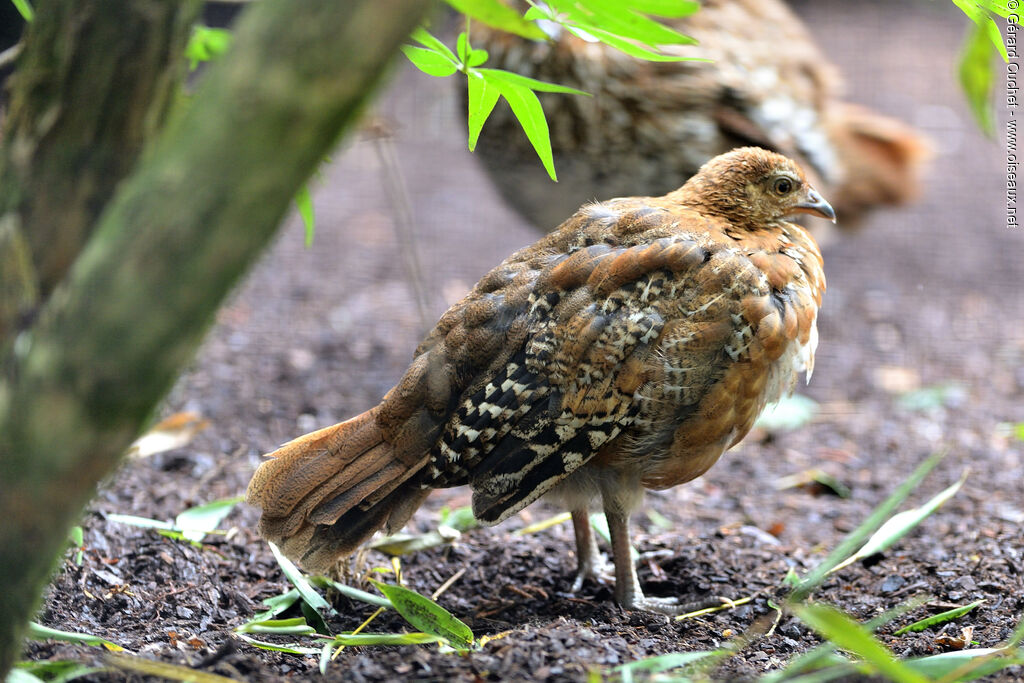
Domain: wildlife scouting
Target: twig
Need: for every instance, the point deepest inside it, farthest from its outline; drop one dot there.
(394, 184)
(447, 584)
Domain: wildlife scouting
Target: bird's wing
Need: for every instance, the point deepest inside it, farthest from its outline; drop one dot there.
(590, 321)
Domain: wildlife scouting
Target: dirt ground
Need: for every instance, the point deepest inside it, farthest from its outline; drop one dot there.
(929, 295)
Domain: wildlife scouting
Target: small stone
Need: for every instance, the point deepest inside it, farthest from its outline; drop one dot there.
(966, 583)
(892, 583)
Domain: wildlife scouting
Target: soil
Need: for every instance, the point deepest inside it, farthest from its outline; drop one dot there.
(924, 296)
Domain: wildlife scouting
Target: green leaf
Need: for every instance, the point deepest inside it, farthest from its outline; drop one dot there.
(164, 670)
(634, 50)
(933, 397)
(941, 618)
(619, 18)
(460, 519)
(899, 525)
(426, 615)
(476, 58)
(55, 671)
(791, 412)
(659, 663)
(24, 9)
(198, 521)
(385, 639)
(842, 631)
(978, 78)
(304, 203)
(671, 9)
(403, 544)
(984, 21)
(497, 14)
(530, 114)
(481, 98)
(423, 37)
(350, 592)
(968, 665)
(856, 537)
(143, 522)
(430, 61)
(206, 44)
(295, 626)
(1018, 431)
(40, 632)
(462, 47)
(502, 76)
(277, 604)
(292, 649)
(316, 602)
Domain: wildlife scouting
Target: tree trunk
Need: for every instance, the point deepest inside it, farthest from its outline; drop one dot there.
(206, 197)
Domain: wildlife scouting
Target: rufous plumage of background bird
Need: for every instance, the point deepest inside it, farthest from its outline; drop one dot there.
(649, 126)
(626, 350)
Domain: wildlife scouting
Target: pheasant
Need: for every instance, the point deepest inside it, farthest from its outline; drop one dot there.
(626, 350)
(649, 126)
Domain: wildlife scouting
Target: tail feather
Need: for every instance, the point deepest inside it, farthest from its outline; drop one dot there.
(310, 484)
(883, 160)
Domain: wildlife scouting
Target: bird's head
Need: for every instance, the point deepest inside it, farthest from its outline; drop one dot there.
(754, 189)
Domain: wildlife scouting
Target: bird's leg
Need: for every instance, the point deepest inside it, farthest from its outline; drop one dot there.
(628, 593)
(590, 564)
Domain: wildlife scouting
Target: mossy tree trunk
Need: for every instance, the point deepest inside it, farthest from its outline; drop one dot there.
(113, 260)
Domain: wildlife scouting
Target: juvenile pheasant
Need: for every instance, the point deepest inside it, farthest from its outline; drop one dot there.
(626, 350)
(649, 126)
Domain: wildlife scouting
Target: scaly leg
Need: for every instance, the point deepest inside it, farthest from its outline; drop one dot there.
(628, 593)
(590, 564)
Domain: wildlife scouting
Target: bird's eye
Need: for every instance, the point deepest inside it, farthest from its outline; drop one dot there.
(782, 186)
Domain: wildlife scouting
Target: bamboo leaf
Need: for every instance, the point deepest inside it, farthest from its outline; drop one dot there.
(901, 524)
(292, 649)
(858, 535)
(842, 631)
(791, 412)
(659, 663)
(966, 665)
(978, 78)
(206, 44)
(423, 37)
(430, 62)
(304, 203)
(498, 76)
(497, 14)
(277, 604)
(385, 639)
(316, 603)
(528, 111)
(24, 9)
(37, 631)
(941, 618)
(51, 671)
(426, 615)
(200, 520)
(296, 626)
(173, 672)
(350, 592)
(481, 100)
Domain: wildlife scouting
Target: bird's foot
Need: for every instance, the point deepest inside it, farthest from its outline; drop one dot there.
(672, 607)
(594, 567)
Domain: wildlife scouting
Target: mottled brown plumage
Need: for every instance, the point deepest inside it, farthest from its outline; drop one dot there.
(649, 126)
(626, 350)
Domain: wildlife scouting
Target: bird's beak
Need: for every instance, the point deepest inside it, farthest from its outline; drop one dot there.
(814, 204)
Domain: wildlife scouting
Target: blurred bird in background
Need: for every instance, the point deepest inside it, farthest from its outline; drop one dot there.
(650, 125)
